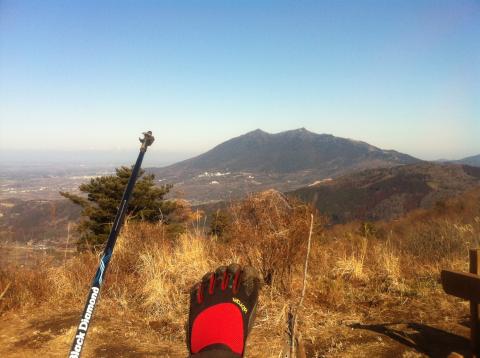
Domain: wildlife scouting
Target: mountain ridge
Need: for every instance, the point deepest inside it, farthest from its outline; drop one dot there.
(473, 160)
(388, 193)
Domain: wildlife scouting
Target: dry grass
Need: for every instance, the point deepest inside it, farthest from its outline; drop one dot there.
(362, 277)
(271, 233)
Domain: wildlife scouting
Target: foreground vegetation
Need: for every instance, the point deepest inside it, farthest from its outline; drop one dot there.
(363, 277)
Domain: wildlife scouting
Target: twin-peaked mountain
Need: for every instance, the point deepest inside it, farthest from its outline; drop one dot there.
(285, 161)
(291, 151)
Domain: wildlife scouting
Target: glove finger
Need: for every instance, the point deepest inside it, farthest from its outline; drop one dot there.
(220, 277)
(206, 277)
(193, 292)
(196, 294)
(250, 281)
(208, 281)
(233, 271)
(196, 291)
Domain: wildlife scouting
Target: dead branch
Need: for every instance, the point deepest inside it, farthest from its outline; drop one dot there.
(293, 334)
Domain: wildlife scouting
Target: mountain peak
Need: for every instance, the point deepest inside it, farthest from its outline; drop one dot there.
(256, 132)
(259, 131)
(299, 132)
(302, 130)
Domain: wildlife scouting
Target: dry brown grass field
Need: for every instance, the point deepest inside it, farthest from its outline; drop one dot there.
(372, 289)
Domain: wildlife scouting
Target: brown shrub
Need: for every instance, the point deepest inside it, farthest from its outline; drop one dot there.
(270, 232)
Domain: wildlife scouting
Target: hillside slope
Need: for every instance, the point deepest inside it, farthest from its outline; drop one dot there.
(474, 160)
(386, 193)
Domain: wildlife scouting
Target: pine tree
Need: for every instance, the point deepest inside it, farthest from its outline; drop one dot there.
(103, 197)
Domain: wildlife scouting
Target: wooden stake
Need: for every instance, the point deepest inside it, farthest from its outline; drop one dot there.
(294, 318)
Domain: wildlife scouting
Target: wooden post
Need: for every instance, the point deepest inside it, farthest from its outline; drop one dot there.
(467, 286)
(474, 307)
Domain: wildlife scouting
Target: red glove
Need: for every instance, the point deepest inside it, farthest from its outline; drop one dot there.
(222, 310)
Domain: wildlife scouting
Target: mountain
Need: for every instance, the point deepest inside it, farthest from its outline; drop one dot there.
(290, 151)
(388, 193)
(473, 161)
(259, 160)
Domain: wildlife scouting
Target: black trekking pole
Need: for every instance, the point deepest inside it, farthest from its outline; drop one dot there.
(87, 315)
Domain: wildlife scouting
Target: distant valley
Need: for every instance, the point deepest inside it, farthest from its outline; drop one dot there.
(44, 181)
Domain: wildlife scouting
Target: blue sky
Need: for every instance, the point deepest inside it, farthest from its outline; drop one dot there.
(401, 75)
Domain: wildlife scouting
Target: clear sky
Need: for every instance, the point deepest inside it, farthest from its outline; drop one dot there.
(401, 75)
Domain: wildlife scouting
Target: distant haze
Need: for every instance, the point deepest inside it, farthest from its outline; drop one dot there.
(87, 157)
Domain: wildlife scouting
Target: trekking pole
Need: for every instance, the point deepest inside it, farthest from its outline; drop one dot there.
(87, 314)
